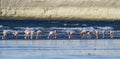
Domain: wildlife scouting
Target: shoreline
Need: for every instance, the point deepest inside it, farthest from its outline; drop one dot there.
(57, 19)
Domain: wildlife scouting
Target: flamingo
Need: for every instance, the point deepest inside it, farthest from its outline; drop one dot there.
(15, 34)
(83, 33)
(103, 34)
(31, 34)
(38, 33)
(96, 34)
(70, 34)
(52, 33)
(88, 33)
(111, 34)
(5, 32)
(27, 33)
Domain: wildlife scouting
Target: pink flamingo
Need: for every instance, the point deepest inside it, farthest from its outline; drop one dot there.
(38, 33)
(111, 34)
(27, 33)
(83, 33)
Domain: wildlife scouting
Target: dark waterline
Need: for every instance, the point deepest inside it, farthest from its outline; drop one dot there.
(60, 23)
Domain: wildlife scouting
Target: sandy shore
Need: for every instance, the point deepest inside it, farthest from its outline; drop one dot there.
(60, 9)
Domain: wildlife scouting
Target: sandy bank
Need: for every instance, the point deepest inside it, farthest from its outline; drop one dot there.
(60, 9)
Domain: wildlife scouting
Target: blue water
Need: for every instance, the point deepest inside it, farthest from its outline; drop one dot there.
(63, 49)
(49, 49)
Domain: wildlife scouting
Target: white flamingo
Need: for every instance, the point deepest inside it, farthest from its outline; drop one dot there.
(31, 34)
(15, 34)
(96, 34)
(70, 34)
(5, 32)
(103, 34)
(88, 33)
(52, 33)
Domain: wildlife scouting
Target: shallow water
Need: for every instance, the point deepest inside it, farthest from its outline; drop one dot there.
(62, 27)
(60, 49)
